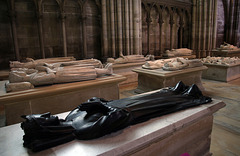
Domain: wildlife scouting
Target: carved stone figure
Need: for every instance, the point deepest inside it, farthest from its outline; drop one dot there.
(172, 64)
(178, 52)
(221, 60)
(157, 64)
(61, 72)
(18, 86)
(98, 117)
(63, 61)
(130, 59)
(227, 46)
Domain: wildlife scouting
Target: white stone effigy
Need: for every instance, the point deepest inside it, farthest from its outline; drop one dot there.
(124, 65)
(226, 50)
(56, 98)
(181, 52)
(41, 73)
(31, 63)
(227, 46)
(186, 131)
(130, 59)
(172, 64)
(221, 68)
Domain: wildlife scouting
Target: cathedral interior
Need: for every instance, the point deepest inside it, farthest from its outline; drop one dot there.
(102, 29)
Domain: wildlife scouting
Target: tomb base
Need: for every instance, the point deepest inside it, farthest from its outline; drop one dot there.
(185, 56)
(149, 80)
(226, 53)
(221, 72)
(186, 131)
(57, 98)
(126, 70)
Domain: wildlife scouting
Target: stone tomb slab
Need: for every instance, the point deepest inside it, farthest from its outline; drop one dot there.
(226, 53)
(57, 98)
(223, 73)
(186, 131)
(149, 80)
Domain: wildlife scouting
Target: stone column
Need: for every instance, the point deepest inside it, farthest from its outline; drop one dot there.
(84, 18)
(214, 25)
(148, 20)
(208, 43)
(198, 29)
(236, 23)
(194, 13)
(160, 21)
(119, 25)
(39, 14)
(181, 23)
(104, 29)
(140, 27)
(171, 22)
(131, 26)
(63, 17)
(204, 29)
(230, 17)
(127, 27)
(136, 26)
(112, 19)
(12, 15)
(40, 33)
(190, 28)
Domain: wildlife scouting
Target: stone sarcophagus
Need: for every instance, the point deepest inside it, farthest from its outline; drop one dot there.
(221, 68)
(221, 72)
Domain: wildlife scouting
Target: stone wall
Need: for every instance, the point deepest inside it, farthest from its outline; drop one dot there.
(6, 42)
(228, 22)
(220, 24)
(165, 25)
(48, 28)
(108, 28)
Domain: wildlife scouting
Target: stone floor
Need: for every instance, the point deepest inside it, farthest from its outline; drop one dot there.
(226, 127)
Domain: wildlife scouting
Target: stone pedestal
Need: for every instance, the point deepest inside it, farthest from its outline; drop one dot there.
(186, 131)
(58, 98)
(226, 53)
(126, 70)
(149, 80)
(187, 56)
(221, 72)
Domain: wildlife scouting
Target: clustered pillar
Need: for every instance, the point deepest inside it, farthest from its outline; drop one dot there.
(12, 15)
(231, 20)
(123, 17)
(204, 24)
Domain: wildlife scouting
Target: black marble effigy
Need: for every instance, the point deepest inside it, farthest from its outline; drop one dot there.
(98, 117)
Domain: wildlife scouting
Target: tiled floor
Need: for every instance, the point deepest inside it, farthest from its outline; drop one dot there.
(226, 128)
